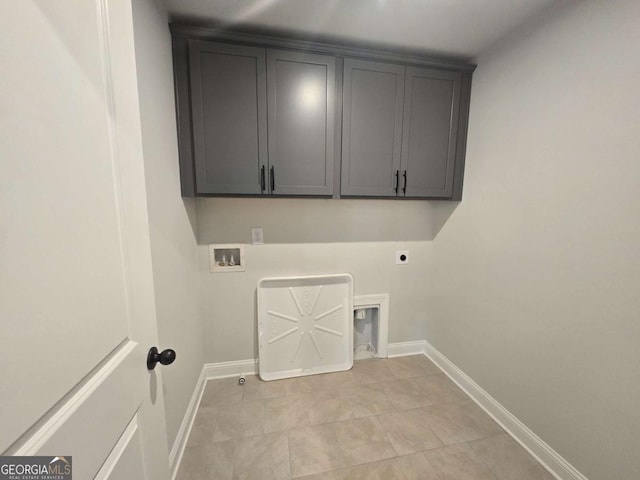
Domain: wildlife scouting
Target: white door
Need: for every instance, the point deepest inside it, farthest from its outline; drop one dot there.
(76, 294)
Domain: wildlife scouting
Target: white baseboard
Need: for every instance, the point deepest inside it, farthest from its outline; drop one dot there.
(548, 458)
(402, 349)
(179, 444)
(231, 369)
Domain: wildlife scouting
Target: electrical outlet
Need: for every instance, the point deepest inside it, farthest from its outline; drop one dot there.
(402, 257)
(257, 236)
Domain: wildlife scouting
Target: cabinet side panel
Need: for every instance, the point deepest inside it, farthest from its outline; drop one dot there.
(461, 141)
(183, 116)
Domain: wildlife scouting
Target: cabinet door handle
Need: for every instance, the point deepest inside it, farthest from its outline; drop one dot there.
(273, 179)
(262, 182)
(404, 185)
(397, 180)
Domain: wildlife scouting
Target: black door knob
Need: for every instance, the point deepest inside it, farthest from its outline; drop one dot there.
(166, 357)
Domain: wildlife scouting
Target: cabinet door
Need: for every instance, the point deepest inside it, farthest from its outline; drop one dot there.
(371, 130)
(301, 105)
(229, 109)
(432, 99)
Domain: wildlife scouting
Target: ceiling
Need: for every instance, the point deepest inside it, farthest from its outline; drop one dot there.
(453, 28)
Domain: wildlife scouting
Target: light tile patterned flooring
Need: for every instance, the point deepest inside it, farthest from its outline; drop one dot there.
(397, 418)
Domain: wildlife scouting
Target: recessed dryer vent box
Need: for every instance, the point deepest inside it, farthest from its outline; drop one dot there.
(305, 325)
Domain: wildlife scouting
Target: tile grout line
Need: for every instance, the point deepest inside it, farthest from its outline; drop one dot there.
(289, 456)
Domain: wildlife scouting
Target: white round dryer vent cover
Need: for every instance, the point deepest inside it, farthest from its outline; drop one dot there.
(305, 325)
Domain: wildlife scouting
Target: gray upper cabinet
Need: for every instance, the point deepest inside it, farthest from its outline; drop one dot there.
(429, 131)
(266, 115)
(301, 105)
(229, 112)
(373, 95)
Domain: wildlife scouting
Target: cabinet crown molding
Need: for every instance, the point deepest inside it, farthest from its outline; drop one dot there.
(282, 39)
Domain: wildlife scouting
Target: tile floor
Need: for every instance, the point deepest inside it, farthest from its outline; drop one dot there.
(397, 418)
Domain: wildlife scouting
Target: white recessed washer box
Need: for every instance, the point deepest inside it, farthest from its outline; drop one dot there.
(226, 258)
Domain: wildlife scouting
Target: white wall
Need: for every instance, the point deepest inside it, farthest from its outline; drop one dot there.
(534, 290)
(173, 241)
(228, 299)
(304, 220)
